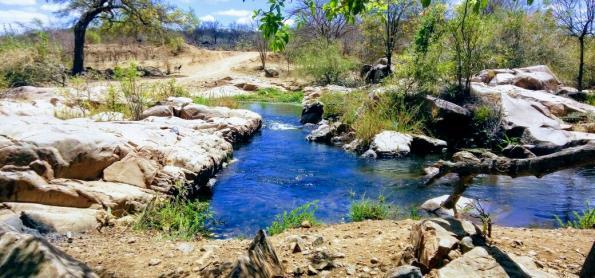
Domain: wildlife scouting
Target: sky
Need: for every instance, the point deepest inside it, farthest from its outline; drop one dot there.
(224, 11)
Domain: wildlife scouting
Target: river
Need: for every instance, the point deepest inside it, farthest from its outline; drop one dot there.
(279, 170)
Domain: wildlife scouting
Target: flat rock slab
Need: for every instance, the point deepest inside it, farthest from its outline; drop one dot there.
(53, 219)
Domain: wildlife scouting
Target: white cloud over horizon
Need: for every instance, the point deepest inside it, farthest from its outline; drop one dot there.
(19, 16)
(235, 13)
(18, 2)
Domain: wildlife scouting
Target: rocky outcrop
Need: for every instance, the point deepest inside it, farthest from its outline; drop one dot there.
(84, 164)
(532, 78)
(261, 261)
(395, 144)
(376, 72)
(23, 255)
(491, 262)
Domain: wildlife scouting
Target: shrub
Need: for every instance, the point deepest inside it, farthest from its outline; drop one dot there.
(366, 209)
(170, 88)
(583, 220)
(342, 106)
(324, 62)
(272, 95)
(178, 218)
(294, 218)
(136, 95)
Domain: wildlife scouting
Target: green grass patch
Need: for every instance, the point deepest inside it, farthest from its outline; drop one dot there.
(582, 220)
(272, 95)
(229, 102)
(177, 218)
(367, 209)
(294, 218)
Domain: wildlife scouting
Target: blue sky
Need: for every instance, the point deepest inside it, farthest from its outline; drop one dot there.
(224, 11)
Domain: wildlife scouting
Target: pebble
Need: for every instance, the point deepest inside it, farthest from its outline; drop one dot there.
(365, 269)
(185, 248)
(306, 224)
(131, 240)
(532, 253)
(374, 260)
(154, 262)
(350, 270)
(318, 241)
(312, 270)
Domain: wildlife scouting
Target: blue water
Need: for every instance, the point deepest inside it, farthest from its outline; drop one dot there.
(279, 170)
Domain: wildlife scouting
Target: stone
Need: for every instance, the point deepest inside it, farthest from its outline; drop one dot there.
(466, 244)
(434, 206)
(261, 261)
(312, 113)
(318, 241)
(350, 270)
(24, 255)
(185, 248)
(132, 169)
(322, 134)
(517, 151)
(306, 224)
(158, 111)
(312, 271)
(391, 144)
(154, 262)
(374, 260)
(54, 219)
(295, 247)
(269, 72)
(491, 262)
(422, 144)
(370, 154)
(404, 271)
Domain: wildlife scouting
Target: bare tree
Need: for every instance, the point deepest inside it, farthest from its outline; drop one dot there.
(316, 23)
(576, 18)
(212, 28)
(262, 45)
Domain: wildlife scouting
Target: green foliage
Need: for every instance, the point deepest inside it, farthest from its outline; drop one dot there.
(342, 106)
(136, 94)
(30, 59)
(367, 209)
(583, 220)
(228, 102)
(414, 213)
(93, 36)
(324, 62)
(272, 95)
(178, 218)
(483, 113)
(169, 88)
(294, 218)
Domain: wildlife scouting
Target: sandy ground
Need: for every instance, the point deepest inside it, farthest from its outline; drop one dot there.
(364, 249)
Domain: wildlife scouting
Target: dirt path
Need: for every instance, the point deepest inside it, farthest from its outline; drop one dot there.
(217, 69)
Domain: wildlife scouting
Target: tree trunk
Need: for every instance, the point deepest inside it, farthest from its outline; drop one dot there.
(581, 65)
(78, 59)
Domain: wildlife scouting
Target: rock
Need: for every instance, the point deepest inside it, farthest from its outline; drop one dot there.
(306, 224)
(154, 262)
(446, 108)
(318, 241)
(312, 271)
(370, 154)
(312, 113)
(422, 144)
(133, 169)
(350, 270)
(268, 72)
(491, 262)
(405, 271)
(375, 73)
(536, 78)
(374, 260)
(517, 151)
(53, 219)
(262, 261)
(433, 239)
(466, 244)
(185, 248)
(23, 255)
(450, 120)
(465, 156)
(454, 254)
(295, 247)
(321, 260)
(434, 206)
(322, 134)
(150, 71)
(391, 144)
(158, 111)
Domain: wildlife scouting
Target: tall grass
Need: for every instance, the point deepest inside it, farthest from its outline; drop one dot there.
(582, 220)
(367, 209)
(228, 102)
(272, 95)
(294, 218)
(177, 218)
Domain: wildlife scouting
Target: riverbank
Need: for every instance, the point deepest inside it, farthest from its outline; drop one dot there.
(363, 249)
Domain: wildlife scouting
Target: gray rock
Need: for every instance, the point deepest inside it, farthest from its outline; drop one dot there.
(434, 206)
(185, 248)
(422, 144)
(23, 255)
(404, 271)
(391, 144)
(268, 72)
(312, 113)
(158, 111)
(517, 151)
(466, 244)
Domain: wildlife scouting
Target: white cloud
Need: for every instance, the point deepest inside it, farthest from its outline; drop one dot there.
(19, 2)
(53, 7)
(14, 16)
(235, 13)
(289, 22)
(207, 18)
(247, 20)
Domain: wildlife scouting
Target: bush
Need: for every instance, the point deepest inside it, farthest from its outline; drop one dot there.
(178, 218)
(170, 88)
(324, 62)
(366, 209)
(272, 95)
(584, 220)
(342, 106)
(136, 95)
(294, 218)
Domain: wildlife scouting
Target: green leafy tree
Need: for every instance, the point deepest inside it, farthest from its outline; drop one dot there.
(150, 14)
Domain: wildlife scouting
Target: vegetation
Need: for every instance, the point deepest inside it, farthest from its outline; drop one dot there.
(367, 209)
(294, 218)
(229, 102)
(177, 217)
(582, 220)
(324, 62)
(272, 95)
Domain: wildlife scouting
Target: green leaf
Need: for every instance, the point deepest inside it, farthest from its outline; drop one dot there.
(426, 3)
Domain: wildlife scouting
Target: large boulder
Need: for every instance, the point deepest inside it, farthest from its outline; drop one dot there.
(269, 72)
(531, 78)
(391, 144)
(491, 262)
(23, 255)
(422, 144)
(158, 111)
(261, 261)
(54, 219)
(312, 113)
(132, 169)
